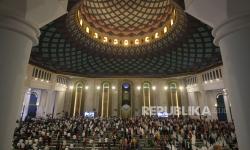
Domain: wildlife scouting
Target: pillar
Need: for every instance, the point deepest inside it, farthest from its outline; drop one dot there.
(231, 22)
(42, 104)
(233, 38)
(18, 34)
(50, 103)
(59, 103)
(17, 38)
(68, 98)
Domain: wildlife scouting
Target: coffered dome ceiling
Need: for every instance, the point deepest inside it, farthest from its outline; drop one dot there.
(126, 38)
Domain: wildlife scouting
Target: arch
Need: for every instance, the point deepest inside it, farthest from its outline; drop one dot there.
(173, 95)
(105, 104)
(146, 94)
(32, 107)
(221, 109)
(78, 99)
(126, 103)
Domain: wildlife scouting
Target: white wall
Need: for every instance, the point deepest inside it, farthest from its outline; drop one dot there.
(211, 101)
(201, 93)
(89, 95)
(50, 102)
(42, 104)
(59, 103)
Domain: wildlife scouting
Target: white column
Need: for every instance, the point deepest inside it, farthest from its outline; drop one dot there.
(68, 99)
(50, 102)
(42, 104)
(231, 22)
(184, 96)
(233, 38)
(18, 35)
(59, 103)
(17, 38)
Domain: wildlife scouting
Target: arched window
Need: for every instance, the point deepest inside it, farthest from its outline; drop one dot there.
(77, 105)
(146, 91)
(174, 99)
(105, 104)
(173, 93)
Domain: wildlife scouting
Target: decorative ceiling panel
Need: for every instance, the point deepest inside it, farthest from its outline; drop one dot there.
(187, 49)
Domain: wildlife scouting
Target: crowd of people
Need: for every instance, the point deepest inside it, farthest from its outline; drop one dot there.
(125, 134)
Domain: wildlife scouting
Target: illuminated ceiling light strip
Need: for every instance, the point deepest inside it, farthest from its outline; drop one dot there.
(172, 22)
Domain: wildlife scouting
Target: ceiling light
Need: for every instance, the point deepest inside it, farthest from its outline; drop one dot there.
(156, 35)
(105, 39)
(172, 22)
(81, 22)
(87, 29)
(125, 42)
(115, 41)
(96, 35)
(136, 41)
(165, 29)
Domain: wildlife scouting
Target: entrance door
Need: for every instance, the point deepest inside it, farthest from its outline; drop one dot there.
(32, 108)
(221, 110)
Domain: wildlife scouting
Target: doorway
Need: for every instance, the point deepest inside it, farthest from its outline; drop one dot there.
(221, 110)
(32, 108)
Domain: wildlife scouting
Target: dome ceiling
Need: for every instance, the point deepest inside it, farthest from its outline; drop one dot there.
(126, 38)
(126, 25)
(124, 18)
